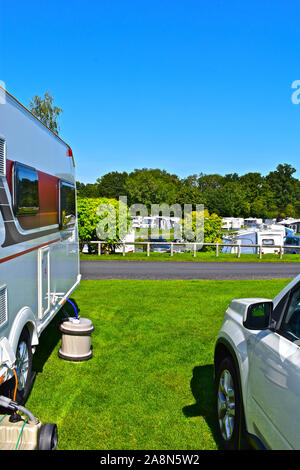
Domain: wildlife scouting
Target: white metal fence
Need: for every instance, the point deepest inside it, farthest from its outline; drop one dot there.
(193, 246)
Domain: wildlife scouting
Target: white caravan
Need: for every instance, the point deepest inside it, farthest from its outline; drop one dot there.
(269, 239)
(129, 237)
(232, 223)
(39, 256)
(252, 222)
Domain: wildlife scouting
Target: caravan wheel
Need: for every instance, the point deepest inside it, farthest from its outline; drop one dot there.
(23, 366)
(23, 370)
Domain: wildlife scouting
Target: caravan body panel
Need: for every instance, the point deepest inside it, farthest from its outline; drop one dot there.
(39, 255)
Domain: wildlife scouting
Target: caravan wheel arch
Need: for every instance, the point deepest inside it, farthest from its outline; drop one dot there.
(24, 318)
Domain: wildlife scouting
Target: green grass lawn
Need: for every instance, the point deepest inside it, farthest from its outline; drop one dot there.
(149, 384)
(201, 256)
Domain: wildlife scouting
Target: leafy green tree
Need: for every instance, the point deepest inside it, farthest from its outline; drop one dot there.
(87, 190)
(290, 211)
(213, 232)
(285, 187)
(94, 211)
(231, 178)
(151, 186)
(252, 194)
(212, 227)
(45, 111)
(188, 192)
(112, 185)
(297, 208)
(80, 189)
(228, 201)
(252, 184)
(210, 182)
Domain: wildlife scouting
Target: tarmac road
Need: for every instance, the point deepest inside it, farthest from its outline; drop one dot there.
(186, 270)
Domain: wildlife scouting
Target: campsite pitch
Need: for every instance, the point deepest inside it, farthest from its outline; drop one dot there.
(149, 384)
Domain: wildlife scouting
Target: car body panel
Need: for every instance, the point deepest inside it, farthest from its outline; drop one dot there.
(269, 369)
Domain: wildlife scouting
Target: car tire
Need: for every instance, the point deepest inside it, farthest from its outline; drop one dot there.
(228, 405)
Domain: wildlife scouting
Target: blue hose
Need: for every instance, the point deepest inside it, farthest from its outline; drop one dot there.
(76, 314)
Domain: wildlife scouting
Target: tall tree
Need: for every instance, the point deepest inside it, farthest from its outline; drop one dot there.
(252, 194)
(112, 185)
(151, 186)
(188, 191)
(228, 201)
(284, 186)
(44, 110)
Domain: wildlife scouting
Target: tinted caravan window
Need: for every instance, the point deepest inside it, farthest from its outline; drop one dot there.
(67, 205)
(26, 190)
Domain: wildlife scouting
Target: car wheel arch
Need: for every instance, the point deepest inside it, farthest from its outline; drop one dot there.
(222, 349)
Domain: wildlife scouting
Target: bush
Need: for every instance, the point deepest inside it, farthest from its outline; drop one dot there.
(96, 212)
(212, 230)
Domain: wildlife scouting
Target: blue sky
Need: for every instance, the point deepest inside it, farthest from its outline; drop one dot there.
(188, 86)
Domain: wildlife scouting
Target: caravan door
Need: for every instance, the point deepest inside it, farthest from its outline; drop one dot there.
(43, 282)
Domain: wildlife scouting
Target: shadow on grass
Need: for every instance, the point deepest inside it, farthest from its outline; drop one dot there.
(51, 336)
(202, 388)
(47, 343)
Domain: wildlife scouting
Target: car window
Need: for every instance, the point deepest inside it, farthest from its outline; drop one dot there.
(291, 321)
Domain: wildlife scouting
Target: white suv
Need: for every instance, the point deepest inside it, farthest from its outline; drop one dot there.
(257, 372)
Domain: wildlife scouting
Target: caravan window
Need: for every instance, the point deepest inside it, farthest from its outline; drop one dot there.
(67, 205)
(25, 190)
(268, 241)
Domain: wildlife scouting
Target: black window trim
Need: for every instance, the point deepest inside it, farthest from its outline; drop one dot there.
(279, 330)
(62, 180)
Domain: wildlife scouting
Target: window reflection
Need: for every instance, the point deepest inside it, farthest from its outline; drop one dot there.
(26, 190)
(67, 205)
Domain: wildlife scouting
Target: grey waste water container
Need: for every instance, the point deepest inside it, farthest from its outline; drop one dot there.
(76, 339)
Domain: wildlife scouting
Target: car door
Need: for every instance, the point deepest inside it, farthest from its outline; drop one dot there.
(274, 380)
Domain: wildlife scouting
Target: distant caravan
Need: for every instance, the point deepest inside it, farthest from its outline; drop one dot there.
(269, 239)
(39, 256)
